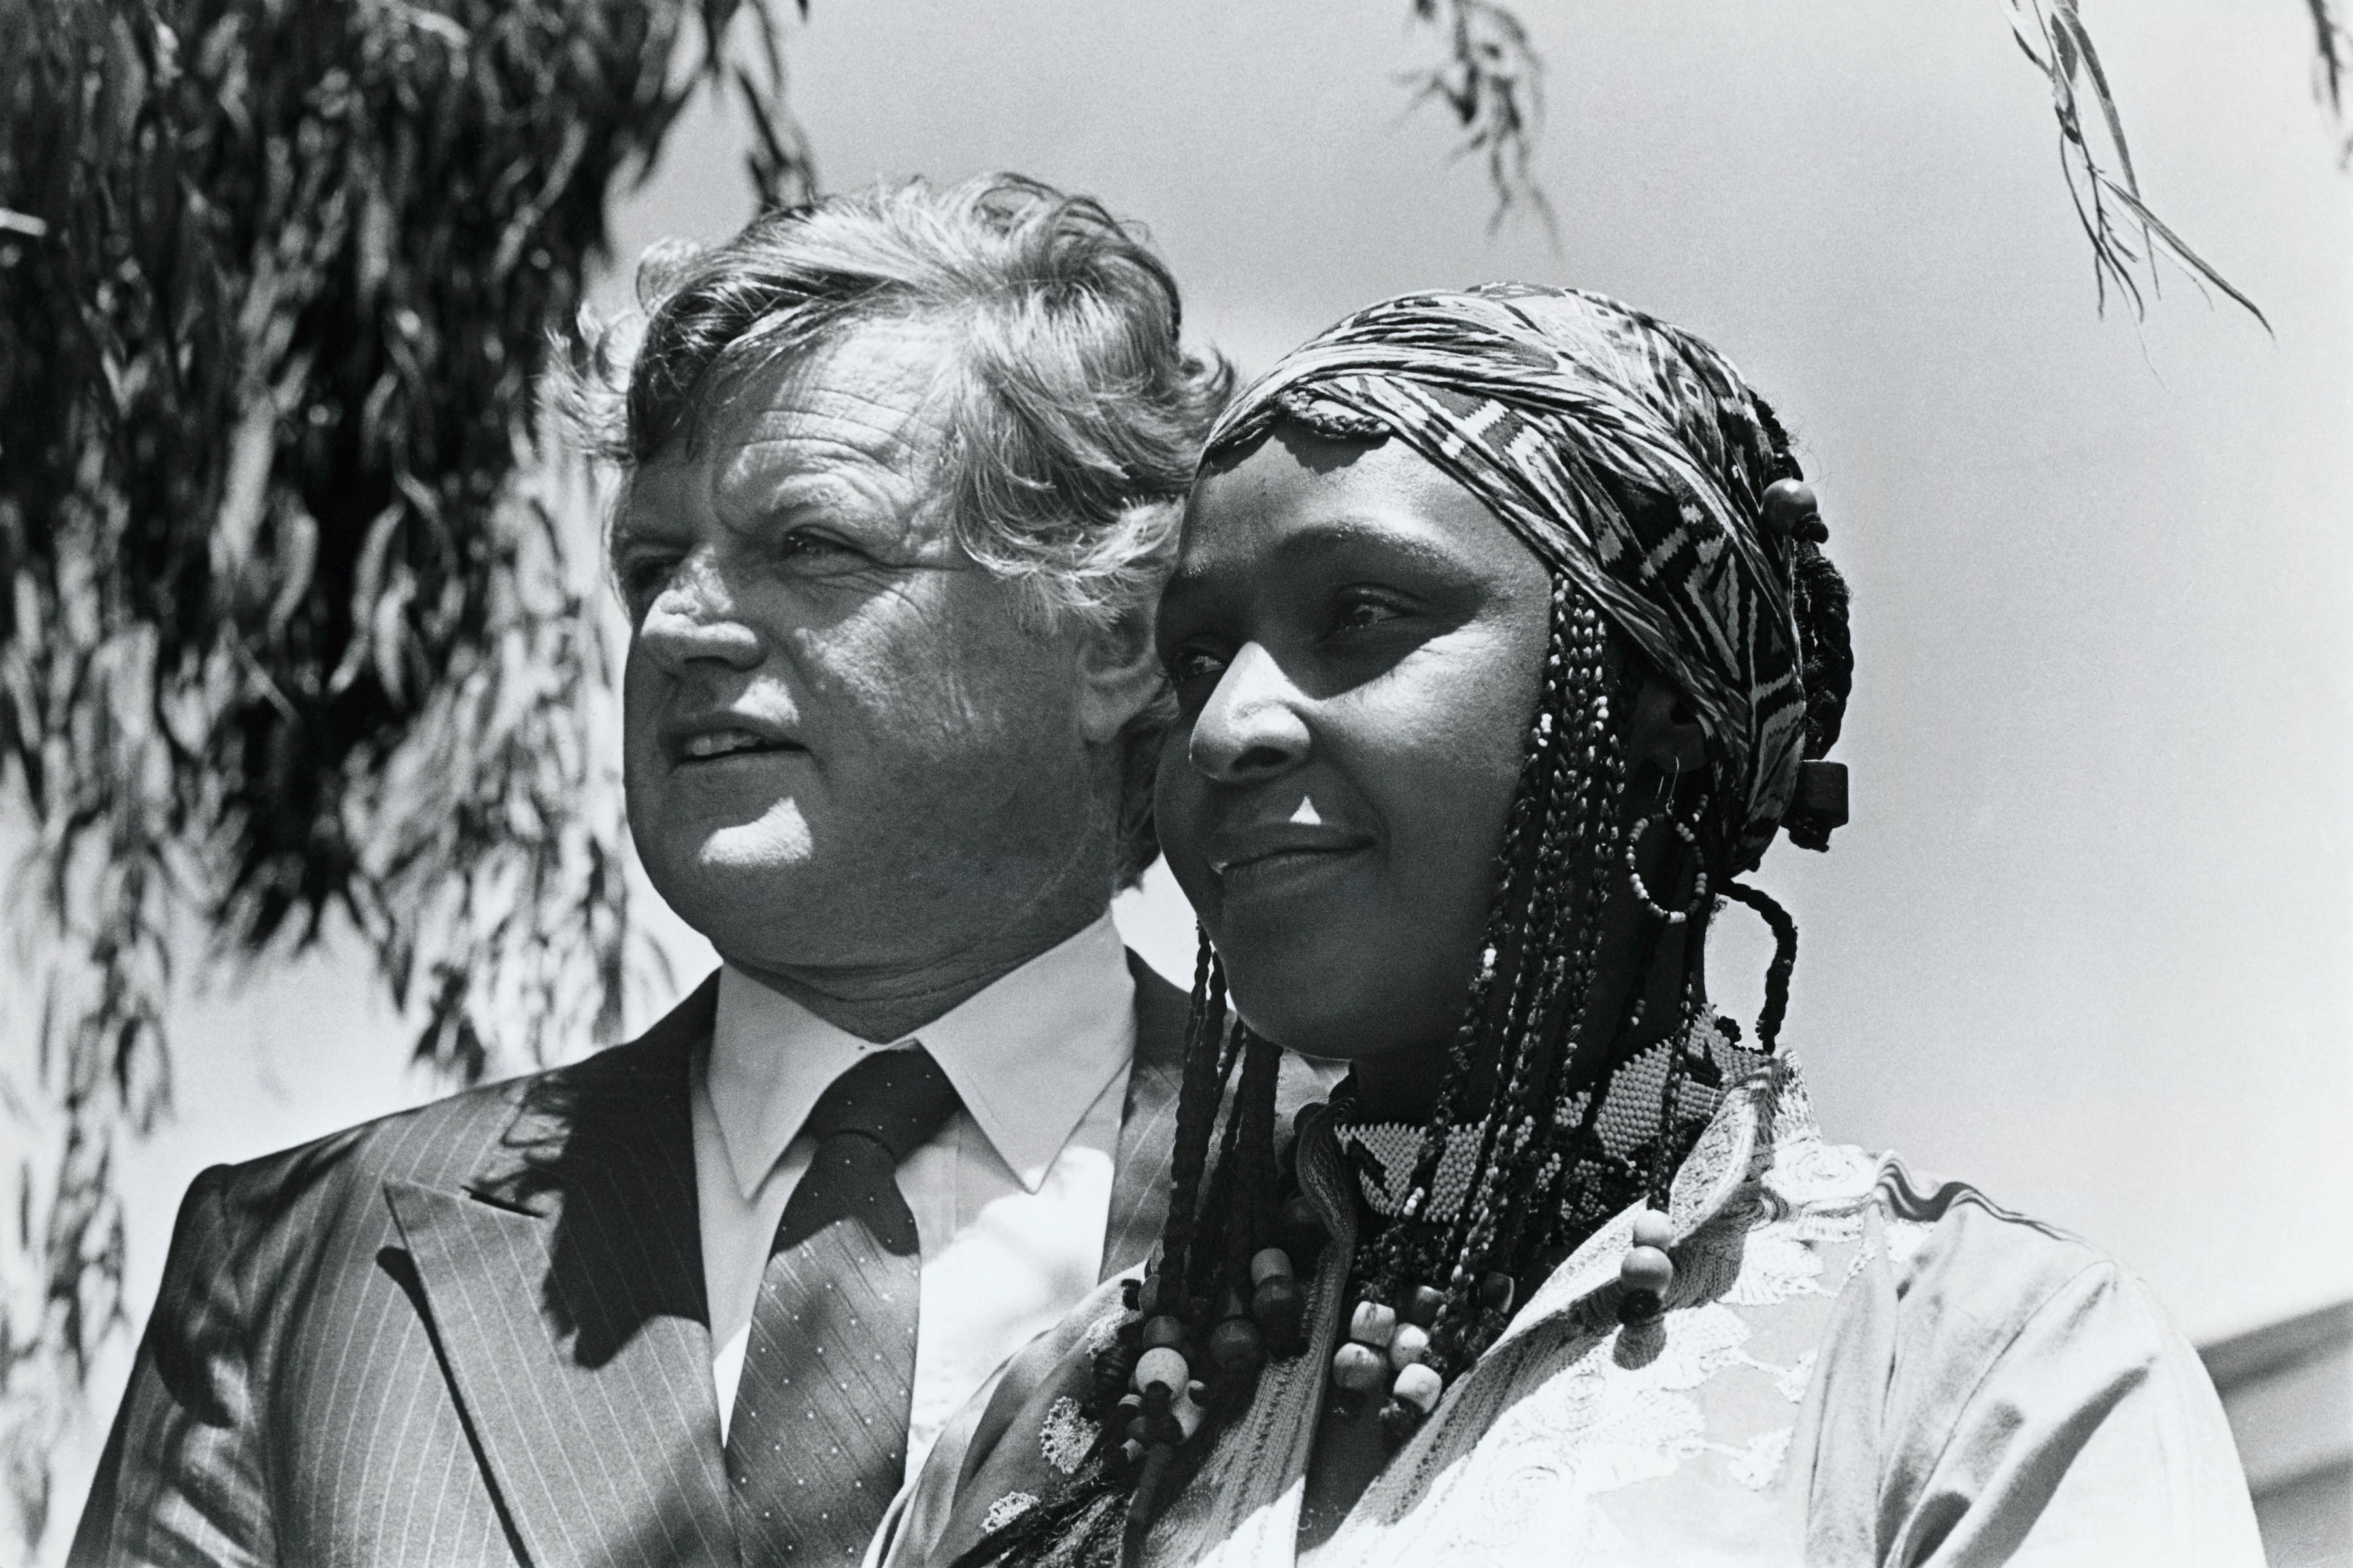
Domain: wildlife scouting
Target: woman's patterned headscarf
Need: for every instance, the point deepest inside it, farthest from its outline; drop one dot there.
(1627, 455)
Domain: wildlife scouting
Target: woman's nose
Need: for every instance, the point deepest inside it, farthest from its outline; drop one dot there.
(695, 619)
(1251, 729)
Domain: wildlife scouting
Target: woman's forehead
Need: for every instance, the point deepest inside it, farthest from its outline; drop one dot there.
(1297, 489)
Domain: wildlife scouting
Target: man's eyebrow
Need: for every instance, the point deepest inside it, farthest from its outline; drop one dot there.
(633, 528)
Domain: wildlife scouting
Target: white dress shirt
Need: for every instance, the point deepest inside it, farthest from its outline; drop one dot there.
(1010, 1197)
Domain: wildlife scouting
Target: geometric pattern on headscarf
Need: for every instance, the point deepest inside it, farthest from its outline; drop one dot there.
(1627, 455)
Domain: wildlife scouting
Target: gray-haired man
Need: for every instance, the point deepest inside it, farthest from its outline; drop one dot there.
(900, 471)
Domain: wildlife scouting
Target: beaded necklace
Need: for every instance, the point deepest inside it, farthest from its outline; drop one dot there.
(1385, 1355)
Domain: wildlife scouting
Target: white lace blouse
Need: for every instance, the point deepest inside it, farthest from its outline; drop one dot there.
(1856, 1370)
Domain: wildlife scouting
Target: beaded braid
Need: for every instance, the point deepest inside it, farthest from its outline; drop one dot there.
(1188, 1310)
(1571, 783)
(1197, 1101)
(1785, 959)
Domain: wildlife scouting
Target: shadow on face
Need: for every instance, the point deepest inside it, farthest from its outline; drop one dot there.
(845, 746)
(1357, 643)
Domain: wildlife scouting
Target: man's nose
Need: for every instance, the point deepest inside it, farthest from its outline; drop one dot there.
(694, 619)
(1251, 729)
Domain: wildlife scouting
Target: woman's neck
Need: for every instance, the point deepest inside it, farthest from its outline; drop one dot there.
(1400, 1085)
(1403, 1085)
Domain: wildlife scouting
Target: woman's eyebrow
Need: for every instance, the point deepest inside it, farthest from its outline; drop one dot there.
(1329, 535)
(1323, 537)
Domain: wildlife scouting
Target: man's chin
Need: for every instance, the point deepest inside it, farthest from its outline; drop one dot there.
(775, 846)
(735, 870)
(758, 907)
(685, 843)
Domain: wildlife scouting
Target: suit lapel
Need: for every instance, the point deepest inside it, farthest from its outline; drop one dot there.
(566, 1287)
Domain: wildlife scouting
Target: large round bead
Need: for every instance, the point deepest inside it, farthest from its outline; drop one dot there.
(1163, 1330)
(1278, 1300)
(1372, 1324)
(1399, 1422)
(1791, 508)
(1422, 1304)
(1647, 1269)
(1236, 1345)
(1419, 1386)
(1408, 1345)
(1495, 1291)
(1165, 1367)
(1299, 1224)
(1359, 1368)
(1269, 1263)
(1652, 1229)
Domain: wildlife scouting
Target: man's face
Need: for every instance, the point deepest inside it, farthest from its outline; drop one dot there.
(843, 747)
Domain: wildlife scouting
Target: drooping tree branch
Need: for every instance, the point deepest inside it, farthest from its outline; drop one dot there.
(2332, 58)
(1491, 81)
(289, 632)
(2126, 239)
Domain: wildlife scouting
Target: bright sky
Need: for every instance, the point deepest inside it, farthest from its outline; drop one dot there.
(2086, 943)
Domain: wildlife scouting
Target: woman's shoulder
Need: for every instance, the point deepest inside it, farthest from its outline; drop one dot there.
(2012, 1384)
(1972, 1279)
(1950, 1246)
(1961, 1272)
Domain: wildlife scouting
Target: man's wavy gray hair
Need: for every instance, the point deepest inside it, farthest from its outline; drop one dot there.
(1075, 416)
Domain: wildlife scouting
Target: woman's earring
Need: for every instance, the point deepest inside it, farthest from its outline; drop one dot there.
(1690, 836)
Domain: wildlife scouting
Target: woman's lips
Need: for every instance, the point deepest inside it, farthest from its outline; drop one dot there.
(1250, 864)
(1285, 870)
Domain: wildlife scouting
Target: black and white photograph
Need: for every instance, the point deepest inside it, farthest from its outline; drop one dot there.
(1260, 784)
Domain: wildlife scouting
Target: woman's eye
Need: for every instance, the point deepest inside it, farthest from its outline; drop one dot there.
(1192, 664)
(1359, 609)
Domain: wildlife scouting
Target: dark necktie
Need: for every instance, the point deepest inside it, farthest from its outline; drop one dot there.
(817, 1445)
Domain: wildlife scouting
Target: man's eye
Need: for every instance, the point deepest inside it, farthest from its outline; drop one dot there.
(803, 545)
(644, 576)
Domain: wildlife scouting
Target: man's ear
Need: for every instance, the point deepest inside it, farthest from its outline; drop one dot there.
(1664, 731)
(1119, 674)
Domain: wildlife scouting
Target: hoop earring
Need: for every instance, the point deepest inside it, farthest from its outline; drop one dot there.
(1683, 831)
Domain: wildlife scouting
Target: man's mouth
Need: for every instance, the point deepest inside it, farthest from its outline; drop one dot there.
(706, 745)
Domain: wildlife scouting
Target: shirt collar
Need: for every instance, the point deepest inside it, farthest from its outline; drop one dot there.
(1027, 1055)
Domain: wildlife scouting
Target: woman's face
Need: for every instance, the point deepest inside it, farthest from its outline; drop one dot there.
(1356, 645)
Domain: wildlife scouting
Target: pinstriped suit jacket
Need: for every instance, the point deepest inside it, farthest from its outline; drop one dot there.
(475, 1333)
